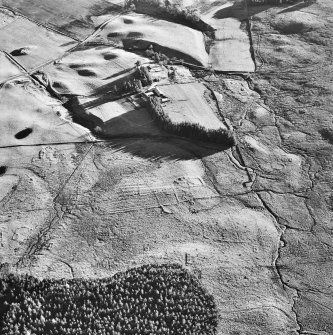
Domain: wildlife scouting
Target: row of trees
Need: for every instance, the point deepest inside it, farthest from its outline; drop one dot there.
(186, 129)
(152, 299)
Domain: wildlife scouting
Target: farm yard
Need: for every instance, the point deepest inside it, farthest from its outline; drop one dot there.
(109, 199)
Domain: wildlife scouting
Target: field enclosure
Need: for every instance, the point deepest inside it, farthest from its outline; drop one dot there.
(231, 49)
(188, 104)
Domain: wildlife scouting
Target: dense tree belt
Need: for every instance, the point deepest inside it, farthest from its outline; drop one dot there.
(186, 129)
(151, 299)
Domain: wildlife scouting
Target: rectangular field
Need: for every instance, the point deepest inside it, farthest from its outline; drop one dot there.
(231, 48)
(188, 104)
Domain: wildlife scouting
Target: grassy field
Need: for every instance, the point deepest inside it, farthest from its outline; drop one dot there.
(8, 68)
(139, 31)
(188, 104)
(92, 70)
(41, 44)
(231, 48)
(27, 107)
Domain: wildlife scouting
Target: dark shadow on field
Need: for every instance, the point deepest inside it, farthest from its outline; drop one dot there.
(136, 132)
(119, 74)
(163, 147)
(237, 10)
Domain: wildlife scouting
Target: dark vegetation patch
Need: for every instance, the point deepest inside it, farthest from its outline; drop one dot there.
(20, 52)
(327, 135)
(56, 84)
(86, 73)
(75, 66)
(110, 56)
(114, 34)
(3, 170)
(151, 299)
(134, 34)
(23, 133)
(186, 129)
(128, 21)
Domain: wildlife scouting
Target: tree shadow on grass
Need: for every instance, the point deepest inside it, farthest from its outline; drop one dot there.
(136, 132)
(235, 11)
(164, 148)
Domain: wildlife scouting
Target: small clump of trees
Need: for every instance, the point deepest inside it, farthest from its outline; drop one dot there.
(186, 129)
(157, 57)
(151, 299)
(140, 78)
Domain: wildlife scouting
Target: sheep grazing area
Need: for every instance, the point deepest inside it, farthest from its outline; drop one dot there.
(162, 299)
(141, 194)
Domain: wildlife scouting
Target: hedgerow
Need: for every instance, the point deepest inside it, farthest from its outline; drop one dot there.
(151, 299)
(186, 129)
